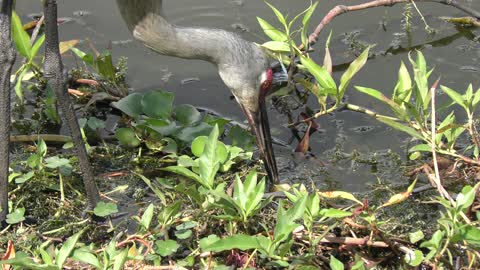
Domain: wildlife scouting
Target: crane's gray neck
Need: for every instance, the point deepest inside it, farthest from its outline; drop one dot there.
(147, 22)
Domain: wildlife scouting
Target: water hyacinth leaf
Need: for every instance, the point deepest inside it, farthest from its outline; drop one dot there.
(334, 213)
(455, 96)
(320, 73)
(339, 195)
(163, 127)
(127, 137)
(353, 69)
(414, 237)
(187, 114)
(277, 46)
(20, 37)
(241, 138)
(410, 131)
(103, 209)
(271, 31)
(130, 105)
(67, 249)
(17, 216)
(157, 104)
(335, 264)
(236, 241)
(166, 247)
(188, 134)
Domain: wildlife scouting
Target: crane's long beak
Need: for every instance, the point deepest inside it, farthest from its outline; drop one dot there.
(260, 125)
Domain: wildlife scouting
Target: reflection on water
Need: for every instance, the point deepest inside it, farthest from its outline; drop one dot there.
(358, 145)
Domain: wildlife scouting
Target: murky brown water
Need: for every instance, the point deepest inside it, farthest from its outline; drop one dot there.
(455, 54)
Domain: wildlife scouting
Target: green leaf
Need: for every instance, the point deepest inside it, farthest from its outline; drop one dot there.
(87, 257)
(185, 172)
(277, 46)
(334, 213)
(208, 163)
(17, 216)
(399, 111)
(476, 98)
(120, 259)
(456, 97)
(306, 22)
(271, 31)
(336, 264)
(414, 258)
(410, 131)
(147, 217)
(36, 46)
(130, 105)
(236, 241)
(403, 89)
(421, 80)
(105, 65)
(18, 85)
(21, 37)
(157, 104)
(103, 209)
(166, 247)
(56, 162)
(320, 73)
(67, 249)
(416, 236)
(188, 134)
(187, 114)
(127, 137)
(466, 197)
(198, 145)
(353, 69)
(279, 15)
(421, 148)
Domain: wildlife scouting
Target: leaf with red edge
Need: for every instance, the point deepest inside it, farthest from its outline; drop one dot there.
(400, 197)
(10, 254)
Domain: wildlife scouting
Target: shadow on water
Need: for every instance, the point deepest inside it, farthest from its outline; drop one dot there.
(351, 150)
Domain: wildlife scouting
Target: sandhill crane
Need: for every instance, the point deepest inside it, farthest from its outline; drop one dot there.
(242, 65)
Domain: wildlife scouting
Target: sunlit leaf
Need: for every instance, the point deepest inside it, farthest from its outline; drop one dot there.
(353, 69)
(410, 131)
(279, 14)
(127, 137)
(65, 46)
(67, 249)
(271, 31)
(21, 37)
(400, 197)
(336, 264)
(320, 73)
(277, 46)
(236, 241)
(334, 213)
(339, 195)
(166, 247)
(455, 96)
(36, 46)
(103, 209)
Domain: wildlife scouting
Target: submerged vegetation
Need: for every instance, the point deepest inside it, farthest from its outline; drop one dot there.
(199, 198)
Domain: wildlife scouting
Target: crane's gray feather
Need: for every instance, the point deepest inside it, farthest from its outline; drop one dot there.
(240, 63)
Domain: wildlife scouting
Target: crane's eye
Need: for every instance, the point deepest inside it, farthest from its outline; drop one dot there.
(266, 82)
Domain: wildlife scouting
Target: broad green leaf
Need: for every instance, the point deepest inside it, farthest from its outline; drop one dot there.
(208, 163)
(421, 148)
(187, 114)
(188, 134)
(120, 259)
(56, 162)
(272, 32)
(157, 104)
(277, 46)
(103, 209)
(198, 145)
(236, 241)
(166, 247)
(67, 249)
(416, 236)
(455, 96)
(336, 264)
(354, 67)
(17, 216)
(130, 105)
(466, 197)
(403, 89)
(410, 131)
(320, 73)
(21, 37)
(127, 137)
(185, 172)
(86, 257)
(334, 213)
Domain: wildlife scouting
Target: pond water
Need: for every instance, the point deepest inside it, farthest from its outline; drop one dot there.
(454, 52)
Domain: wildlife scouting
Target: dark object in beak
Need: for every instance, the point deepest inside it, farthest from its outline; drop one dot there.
(259, 122)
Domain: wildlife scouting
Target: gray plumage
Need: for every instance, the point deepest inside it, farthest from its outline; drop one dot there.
(241, 64)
